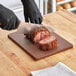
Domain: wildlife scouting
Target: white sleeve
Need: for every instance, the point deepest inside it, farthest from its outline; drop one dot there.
(11, 4)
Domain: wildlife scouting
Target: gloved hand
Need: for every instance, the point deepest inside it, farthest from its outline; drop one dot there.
(8, 20)
(31, 12)
(27, 28)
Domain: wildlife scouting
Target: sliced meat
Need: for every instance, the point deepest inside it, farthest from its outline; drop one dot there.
(38, 34)
(47, 43)
(43, 38)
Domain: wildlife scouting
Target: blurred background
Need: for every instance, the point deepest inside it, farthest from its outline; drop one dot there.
(45, 6)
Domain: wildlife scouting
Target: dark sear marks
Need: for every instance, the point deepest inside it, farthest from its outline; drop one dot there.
(42, 38)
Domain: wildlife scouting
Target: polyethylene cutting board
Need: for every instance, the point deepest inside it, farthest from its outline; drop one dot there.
(35, 52)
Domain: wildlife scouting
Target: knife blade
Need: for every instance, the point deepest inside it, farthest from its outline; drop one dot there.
(27, 27)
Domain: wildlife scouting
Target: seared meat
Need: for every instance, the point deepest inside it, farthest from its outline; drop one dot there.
(47, 43)
(42, 38)
(38, 34)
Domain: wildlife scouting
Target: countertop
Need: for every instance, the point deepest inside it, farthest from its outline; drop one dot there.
(16, 62)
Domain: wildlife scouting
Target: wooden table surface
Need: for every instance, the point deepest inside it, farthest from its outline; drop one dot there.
(15, 62)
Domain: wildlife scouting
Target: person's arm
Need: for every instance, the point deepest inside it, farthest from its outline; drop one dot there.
(8, 20)
(31, 12)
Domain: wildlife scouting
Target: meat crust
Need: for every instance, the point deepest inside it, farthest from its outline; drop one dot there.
(47, 43)
(38, 34)
(42, 38)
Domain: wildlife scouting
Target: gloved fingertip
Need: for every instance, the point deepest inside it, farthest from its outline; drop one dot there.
(40, 20)
(32, 20)
(26, 20)
(37, 21)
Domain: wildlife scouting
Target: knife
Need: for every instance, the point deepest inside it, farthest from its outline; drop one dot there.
(27, 27)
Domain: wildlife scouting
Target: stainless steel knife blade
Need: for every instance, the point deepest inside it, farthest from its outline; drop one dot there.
(27, 27)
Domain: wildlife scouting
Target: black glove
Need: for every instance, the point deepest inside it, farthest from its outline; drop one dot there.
(8, 20)
(31, 12)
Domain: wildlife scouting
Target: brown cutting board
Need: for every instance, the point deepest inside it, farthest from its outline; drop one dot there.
(36, 53)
